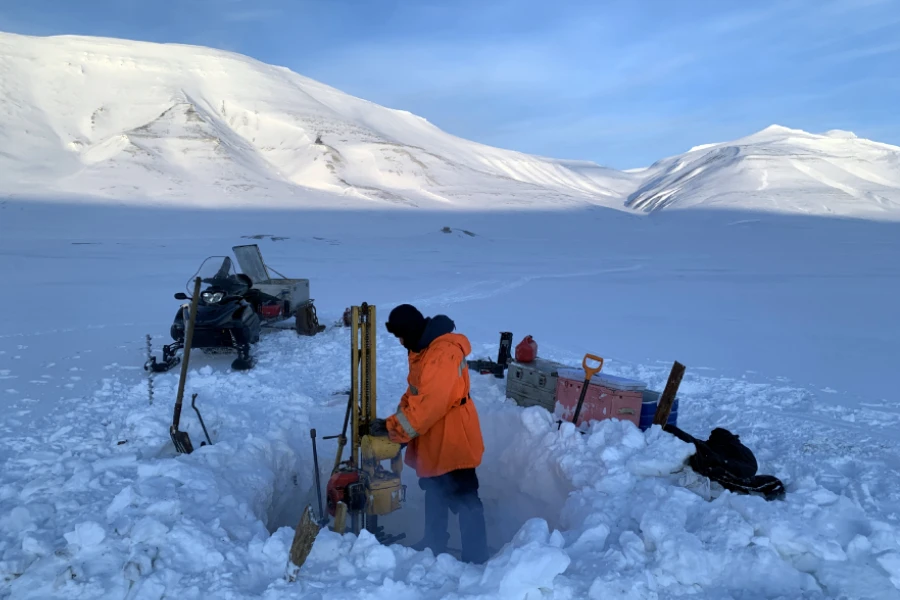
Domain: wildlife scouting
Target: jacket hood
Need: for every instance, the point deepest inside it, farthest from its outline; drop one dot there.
(437, 326)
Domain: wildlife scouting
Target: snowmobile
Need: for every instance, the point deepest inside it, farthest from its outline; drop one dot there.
(234, 307)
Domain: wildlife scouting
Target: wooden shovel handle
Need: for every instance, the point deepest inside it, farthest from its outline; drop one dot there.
(588, 370)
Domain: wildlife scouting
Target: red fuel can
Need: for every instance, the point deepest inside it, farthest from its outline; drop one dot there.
(527, 349)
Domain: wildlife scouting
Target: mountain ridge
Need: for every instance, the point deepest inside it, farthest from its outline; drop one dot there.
(178, 123)
(836, 173)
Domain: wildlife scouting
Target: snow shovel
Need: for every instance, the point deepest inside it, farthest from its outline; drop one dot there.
(180, 438)
(588, 373)
(308, 528)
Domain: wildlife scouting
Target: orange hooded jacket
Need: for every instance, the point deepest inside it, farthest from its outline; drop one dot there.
(436, 418)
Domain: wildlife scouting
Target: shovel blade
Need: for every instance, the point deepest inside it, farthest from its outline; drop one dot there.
(304, 537)
(181, 440)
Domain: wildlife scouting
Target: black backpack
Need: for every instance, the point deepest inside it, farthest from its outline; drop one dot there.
(725, 460)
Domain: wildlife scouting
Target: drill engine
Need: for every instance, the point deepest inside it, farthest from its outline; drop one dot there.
(345, 486)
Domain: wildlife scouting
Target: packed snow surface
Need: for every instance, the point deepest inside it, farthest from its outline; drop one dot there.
(135, 122)
(785, 324)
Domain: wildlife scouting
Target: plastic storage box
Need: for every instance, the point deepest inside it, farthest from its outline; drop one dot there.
(648, 410)
(608, 397)
(533, 383)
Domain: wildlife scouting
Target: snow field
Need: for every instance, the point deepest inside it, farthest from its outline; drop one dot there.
(781, 322)
(611, 512)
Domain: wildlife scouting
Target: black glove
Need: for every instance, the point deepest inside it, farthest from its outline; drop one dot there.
(378, 428)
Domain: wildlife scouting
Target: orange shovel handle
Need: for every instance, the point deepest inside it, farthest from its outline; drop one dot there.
(588, 370)
(588, 373)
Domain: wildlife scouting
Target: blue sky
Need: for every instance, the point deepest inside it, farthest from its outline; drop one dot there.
(623, 83)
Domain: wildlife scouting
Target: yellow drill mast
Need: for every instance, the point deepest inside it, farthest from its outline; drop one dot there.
(360, 486)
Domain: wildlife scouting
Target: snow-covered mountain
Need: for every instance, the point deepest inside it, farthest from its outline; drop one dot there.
(138, 121)
(121, 119)
(779, 169)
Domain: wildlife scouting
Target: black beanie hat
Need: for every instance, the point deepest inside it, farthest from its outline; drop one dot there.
(406, 322)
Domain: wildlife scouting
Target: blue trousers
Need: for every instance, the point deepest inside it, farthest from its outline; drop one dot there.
(455, 491)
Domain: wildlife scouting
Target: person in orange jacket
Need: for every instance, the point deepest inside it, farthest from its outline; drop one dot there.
(438, 422)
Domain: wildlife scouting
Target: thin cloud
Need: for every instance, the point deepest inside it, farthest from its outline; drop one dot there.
(865, 52)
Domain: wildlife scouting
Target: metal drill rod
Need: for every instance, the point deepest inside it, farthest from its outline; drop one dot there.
(354, 387)
(322, 518)
(373, 338)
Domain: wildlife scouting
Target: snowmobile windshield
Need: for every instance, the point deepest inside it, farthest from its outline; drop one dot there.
(217, 274)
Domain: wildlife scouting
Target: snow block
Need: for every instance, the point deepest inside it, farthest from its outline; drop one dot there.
(88, 534)
(524, 568)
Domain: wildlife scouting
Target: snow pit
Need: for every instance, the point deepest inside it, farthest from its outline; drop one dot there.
(516, 484)
(530, 470)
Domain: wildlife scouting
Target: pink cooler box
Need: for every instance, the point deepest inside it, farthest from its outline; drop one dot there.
(608, 397)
